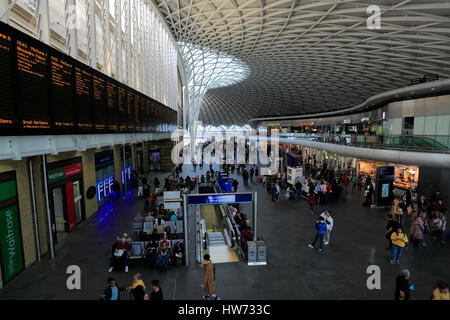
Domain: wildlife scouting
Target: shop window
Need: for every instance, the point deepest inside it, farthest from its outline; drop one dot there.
(409, 123)
(419, 126)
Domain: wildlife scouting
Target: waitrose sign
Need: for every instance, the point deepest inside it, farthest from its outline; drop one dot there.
(10, 243)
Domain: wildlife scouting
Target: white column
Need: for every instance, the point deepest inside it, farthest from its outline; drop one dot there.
(118, 41)
(91, 35)
(70, 8)
(107, 51)
(43, 21)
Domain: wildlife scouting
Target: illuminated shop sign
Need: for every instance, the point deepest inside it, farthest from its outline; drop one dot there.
(128, 174)
(365, 119)
(105, 188)
(347, 121)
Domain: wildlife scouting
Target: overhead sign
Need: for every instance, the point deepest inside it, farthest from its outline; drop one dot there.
(62, 173)
(227, 198)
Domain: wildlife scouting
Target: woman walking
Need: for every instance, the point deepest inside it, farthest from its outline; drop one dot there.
(208, 278)
(399, 241)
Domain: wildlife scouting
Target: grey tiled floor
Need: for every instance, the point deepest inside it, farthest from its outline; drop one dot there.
(294, 271)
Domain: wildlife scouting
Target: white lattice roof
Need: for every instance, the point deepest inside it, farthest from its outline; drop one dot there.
(310, 56)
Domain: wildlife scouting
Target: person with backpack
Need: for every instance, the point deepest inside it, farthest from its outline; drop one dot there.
(208, 278)
(321, 228)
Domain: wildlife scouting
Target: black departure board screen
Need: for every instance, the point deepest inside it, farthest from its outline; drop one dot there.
(130, 108)
(32, 77)
(112, 107)
(8, 115)
(62, 93)
(122, 104)
(137, 112)
(100, 103)
(44, 91)
(148, 106)
(144, 113)
(83, 83)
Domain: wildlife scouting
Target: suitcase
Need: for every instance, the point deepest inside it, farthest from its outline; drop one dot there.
(260, 180)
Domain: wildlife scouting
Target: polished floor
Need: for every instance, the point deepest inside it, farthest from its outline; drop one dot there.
(294, 271)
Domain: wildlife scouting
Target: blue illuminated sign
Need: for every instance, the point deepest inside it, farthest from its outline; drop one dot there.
(128, 171)
(104, 188)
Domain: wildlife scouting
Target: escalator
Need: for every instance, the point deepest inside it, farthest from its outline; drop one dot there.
(216, 234)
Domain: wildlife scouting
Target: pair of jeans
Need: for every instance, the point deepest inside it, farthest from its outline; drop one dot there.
(319, 236)
(298, 192)
(124, 257)
(396, 252)
(163, 261)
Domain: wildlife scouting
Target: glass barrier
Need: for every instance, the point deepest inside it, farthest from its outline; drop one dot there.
(409, 143)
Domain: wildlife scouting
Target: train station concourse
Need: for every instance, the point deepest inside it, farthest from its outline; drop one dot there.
(205, 151)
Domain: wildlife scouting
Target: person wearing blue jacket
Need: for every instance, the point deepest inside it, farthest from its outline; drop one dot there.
(321, 228)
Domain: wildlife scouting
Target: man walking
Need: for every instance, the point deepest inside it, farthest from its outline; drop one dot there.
(321, 228)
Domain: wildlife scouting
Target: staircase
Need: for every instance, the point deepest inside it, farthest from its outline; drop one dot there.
(215, 239)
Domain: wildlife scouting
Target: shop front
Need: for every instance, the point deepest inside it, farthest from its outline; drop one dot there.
(405, 176)
(104, 174)
(11, 246)
(154, 157)
(65, 184)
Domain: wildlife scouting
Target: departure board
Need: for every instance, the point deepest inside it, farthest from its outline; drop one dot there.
(148, 105)
(137, 112)
(130, 108)
(32, 77)
(83, 81)
(144, 113)
(8, 115)
(62, 93)
(113, 126)
(100, 103)
(44, 91)
(122, 104)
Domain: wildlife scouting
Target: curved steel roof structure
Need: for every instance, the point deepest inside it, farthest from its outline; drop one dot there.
(308, 56)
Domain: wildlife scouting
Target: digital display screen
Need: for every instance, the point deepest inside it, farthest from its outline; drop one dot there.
(45, 91)
(220, 198)
(113, 115)
(137, 112)
(122, 104)
(83, 81)
(8, 116)
(130, 112)
(62, 94)
(32, 77)
(100, 105)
